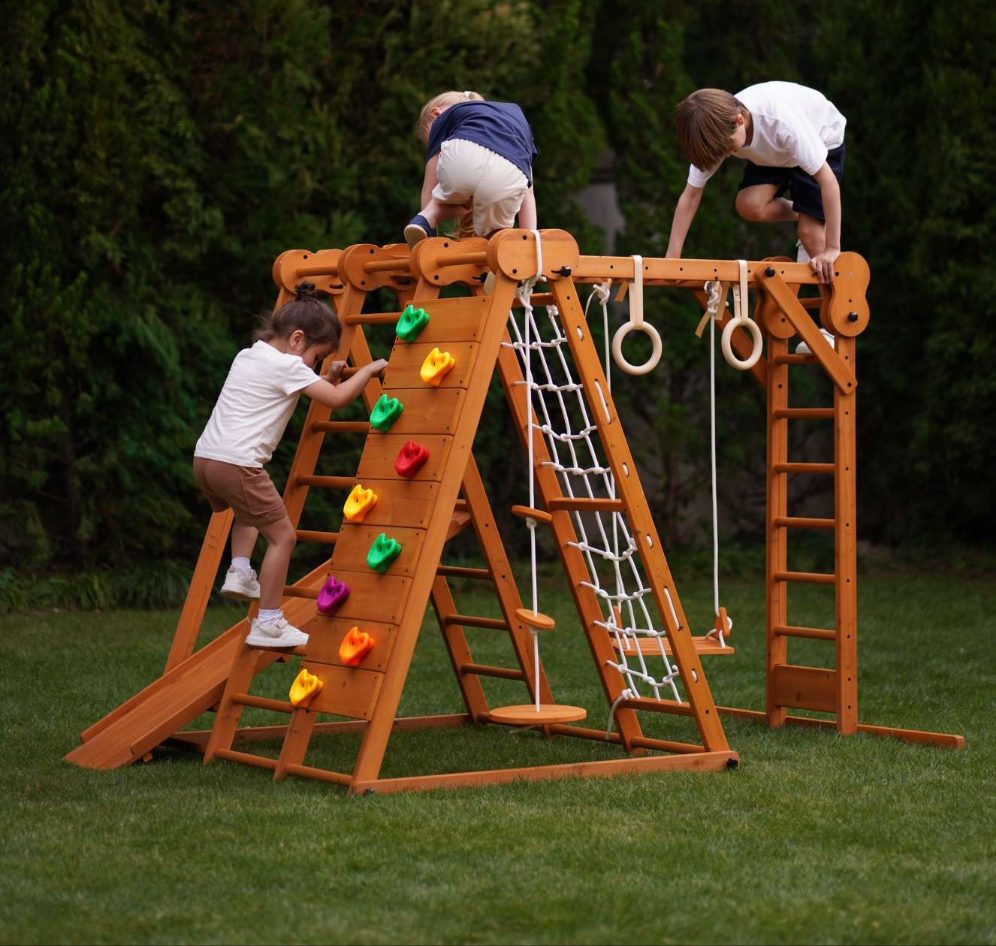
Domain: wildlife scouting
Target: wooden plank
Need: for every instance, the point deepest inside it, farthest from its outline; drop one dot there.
(345, 691)
(812, 688)
(697, 762)
(326, 634)
(373, 597)
(381, 450)
(355, 542)
(913, 736)
(691, 271)
(406, 360)
(776, 646)
(201, 585)
(452, 320)
(704, 646)
(401, 503)
(845, 545)
(427, 411)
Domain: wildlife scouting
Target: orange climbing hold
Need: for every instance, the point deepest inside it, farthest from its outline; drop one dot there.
(436, 366)
(354, 647)
(304, 688)
(359, 502)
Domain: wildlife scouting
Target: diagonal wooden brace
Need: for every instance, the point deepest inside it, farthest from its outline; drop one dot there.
(832, 363)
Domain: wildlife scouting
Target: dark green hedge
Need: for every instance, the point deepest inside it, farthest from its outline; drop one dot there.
(156, 157)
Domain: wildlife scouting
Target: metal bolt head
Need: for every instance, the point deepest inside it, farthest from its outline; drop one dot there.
(770, 271)
(852, 316)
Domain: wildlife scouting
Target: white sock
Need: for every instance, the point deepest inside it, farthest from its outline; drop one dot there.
(266, 615)
(242, 564)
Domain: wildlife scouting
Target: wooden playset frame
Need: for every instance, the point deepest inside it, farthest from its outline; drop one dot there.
(448, 497)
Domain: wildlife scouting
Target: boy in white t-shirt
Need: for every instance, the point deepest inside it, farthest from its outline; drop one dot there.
(255, 404)
(792, 138)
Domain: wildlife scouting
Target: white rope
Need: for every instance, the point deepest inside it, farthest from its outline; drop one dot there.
(524, 292)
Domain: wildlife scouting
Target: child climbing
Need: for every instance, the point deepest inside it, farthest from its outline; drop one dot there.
(479, 162)
(248, 420)
(792, 139)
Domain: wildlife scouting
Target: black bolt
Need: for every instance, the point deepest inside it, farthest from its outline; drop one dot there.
(852, 316)
(564, 270)
(770, 271)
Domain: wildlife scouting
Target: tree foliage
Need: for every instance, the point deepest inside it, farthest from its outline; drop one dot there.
(157, 156)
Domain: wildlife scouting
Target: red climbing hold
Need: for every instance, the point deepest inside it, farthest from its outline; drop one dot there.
(411, 459)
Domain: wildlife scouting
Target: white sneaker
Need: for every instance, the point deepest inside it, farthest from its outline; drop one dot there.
(240, 585)
(803, 349)
(275, 633)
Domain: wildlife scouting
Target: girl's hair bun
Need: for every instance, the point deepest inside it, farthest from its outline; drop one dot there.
(305, 290)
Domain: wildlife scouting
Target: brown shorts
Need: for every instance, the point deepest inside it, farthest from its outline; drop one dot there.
(248, 490)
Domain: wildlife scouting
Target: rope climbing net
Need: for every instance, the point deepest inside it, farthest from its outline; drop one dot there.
(558, 409)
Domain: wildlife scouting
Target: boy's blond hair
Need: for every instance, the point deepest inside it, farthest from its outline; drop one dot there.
(706, 121)
(443, 100)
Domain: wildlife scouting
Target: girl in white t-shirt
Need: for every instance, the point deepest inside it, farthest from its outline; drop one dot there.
(255, 404)
(792, 139)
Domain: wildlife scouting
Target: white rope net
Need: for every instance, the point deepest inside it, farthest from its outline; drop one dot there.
(561, 413)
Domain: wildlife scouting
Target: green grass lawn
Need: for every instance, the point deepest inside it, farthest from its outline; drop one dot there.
(815, 839)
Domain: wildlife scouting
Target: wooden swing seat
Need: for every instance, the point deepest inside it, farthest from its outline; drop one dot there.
(705, 646)
(526, 714)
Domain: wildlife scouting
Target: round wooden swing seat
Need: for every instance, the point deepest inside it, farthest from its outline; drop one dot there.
(526, 715)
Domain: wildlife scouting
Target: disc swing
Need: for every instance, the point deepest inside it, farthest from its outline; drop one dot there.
(535, 713)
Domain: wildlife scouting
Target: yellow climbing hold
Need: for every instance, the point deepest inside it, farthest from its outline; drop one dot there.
(359, 502)
(304, 688)
(436, 366)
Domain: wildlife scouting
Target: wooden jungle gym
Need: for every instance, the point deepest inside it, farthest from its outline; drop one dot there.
(587, 492)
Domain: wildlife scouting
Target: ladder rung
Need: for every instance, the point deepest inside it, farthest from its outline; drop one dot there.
(604, 504)
(459, 571)
(461, 506)
(469, 620)
(328, 482)
(804, 413)
(795, 359)
(806, 578)
(373, 318)
(322, 538)
(246, 758)
(341, 427)
(815, 633)
(294, 591)
(261, 702)
(483, 670)
(824, 469)
(801, 522)
(811, 302)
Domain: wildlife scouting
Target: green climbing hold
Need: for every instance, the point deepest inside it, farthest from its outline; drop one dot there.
(383, 552)
(412, 322)
(385, 412)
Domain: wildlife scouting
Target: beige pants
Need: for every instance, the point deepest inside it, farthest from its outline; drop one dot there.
(467, 170)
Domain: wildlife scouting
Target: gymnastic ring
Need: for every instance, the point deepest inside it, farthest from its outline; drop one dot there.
(732, 359)
(655, 355)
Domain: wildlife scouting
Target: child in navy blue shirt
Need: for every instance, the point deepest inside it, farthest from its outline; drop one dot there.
(479, 162)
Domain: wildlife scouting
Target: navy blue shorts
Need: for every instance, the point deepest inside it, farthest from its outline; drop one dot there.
(802, 187)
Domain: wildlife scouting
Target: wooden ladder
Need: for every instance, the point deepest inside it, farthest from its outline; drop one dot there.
(790, 685)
